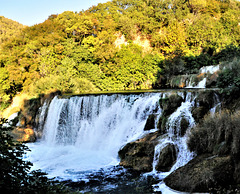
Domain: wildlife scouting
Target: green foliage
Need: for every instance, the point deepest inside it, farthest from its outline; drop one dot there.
(217, 135)
(5, 85)
(229, 79)
(184, 36)
(15, 174)
(9, 29)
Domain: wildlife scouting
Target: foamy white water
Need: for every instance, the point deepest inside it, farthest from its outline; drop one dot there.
(210, 69)
(204, 70)
(85, 133)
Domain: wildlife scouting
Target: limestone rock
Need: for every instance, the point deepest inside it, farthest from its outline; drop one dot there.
(150, 123)
(202, 174)
(170, 104)
(199, 112)
(139, 154)
(167, 158)
(205, 99)
(184, 124)
(161, 125)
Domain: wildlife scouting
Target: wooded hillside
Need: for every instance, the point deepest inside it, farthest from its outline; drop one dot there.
(118, 45)
(8, 29)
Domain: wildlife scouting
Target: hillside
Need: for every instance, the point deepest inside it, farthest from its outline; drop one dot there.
(8, 29)
(119, 45)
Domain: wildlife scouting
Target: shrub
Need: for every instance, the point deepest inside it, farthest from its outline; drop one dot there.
(15, 174)
(229, 79)
(218, 134)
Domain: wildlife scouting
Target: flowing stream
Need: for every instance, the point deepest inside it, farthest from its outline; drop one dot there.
(83, 134)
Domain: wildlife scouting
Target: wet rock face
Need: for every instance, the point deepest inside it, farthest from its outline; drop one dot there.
(150, 123)
(29, 112)
(198, 113)
(167, 158)
(205, 99)
(170, 104)
(202, 174)
(139, 154)
(162, 124)
(184, 124)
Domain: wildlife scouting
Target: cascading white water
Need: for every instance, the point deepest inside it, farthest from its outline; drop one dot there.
(201, 84)
(85, 133)
(174, 136)
(210, 69)
(216, 106)
(204, 70)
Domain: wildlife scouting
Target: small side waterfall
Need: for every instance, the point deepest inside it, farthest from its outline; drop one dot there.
(176, 137)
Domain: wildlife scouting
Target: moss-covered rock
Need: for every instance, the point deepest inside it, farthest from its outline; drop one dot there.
(139, 154)
(167, 158)
(202, 174)
(170, 104)
(29, 111)
(161, 125)
(205, 99)
(184, 124)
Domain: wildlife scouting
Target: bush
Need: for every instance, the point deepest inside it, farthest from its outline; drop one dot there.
(229, 79)
(15, 174)
(218, 134)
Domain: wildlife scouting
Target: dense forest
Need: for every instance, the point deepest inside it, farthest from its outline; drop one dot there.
(118, 45)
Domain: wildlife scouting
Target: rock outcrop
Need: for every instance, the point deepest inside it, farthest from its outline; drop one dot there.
(167, 158)
(150, 123)
(202, 174)
(139, 154)
(24, 135)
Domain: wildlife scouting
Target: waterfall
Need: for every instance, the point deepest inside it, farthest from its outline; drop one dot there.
(204, 70)
(85, 133)
(210, 69)
(176, 137)
(217, 105)
(201, 84)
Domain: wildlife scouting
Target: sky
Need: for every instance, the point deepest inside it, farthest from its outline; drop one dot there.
(30, 12)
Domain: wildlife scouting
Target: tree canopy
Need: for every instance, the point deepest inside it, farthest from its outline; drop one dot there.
(77, 52)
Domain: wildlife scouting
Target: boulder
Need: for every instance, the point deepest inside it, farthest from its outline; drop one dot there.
(167, 158)
(184, 124)
(202, 174)
(139, 154)
(205, 99)
(161, 125)
(170, 104)
(198, 113)
(150, 123)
